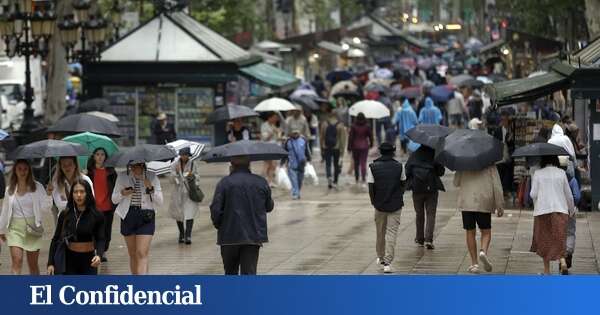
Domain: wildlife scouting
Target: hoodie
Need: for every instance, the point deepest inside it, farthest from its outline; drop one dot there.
(560, 139)
(405, 119)
(430, 114)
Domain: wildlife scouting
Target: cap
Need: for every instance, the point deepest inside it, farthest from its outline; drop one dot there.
(161, 116)
(564, 161)
(387, 147)
(185, 151)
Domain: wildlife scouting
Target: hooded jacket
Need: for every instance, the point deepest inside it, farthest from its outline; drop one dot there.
(560, 139)
(430, 114)
(405, 119)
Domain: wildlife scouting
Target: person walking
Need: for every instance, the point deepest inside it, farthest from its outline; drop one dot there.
(360, 141)
(138, 196)
(456, 110)
(386, 188)
(163, 131)
(83, 228)
(298, 156)
(182, 208)
(297, 121)
(479, 195)
(269, 132)
(21, 227)
(475, 105)
(239, 213)
(238, 131)
(572, 223)
(423, 177)
(430, 114)
(103, 179)
(65, 175)
(552, 205)
(405, 119)
(332, 138)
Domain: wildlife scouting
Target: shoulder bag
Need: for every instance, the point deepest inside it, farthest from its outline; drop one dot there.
(194, 192)
(30, 229)
(60, 251)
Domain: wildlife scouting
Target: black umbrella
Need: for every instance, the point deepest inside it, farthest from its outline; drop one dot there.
(94, 104)
(255, 150)
(142, 154)
(78, 123)
(306, 102)
(48, 148)
(468, 150)
(427, 134)
(540, 149)
(230, 112)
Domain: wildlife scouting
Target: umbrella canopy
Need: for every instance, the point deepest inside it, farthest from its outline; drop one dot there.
(48, 148)
(473, 44)
(337, 76)
(428, 135)
(84, 122)
(472, 83)
(91, 142)
(383, 73)
(164, 167)
(274, 104)
(442, 93)
(104, 115)
(230, 112)
(459, 79)
(343, 87)
(142, 154)
(3, 134)
(468, 150)
(411, 92)
(94, 104)
(379, 85)
(371, 109)
(540, 149)
(425, 63)
(306, 102)
(255, 150)
(304, 92)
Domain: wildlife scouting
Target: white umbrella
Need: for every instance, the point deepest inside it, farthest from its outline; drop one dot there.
(371, 109)
(104, 115)
(274, 104)
(160, 168)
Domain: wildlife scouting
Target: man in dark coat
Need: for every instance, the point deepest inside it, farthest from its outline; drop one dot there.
(163, 131)
(239, 213)
(386, 188)
(423, 177)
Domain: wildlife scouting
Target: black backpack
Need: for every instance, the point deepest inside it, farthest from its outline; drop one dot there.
(331, 135)
(423, 180)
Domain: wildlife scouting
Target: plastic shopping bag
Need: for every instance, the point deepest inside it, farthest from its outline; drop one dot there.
(310, 174)
(282, 178)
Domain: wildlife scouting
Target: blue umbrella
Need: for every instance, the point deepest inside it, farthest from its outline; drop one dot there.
(339, 75)
(3, 134)
(441, 93)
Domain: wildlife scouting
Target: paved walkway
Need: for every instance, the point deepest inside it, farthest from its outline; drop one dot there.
(332, 232)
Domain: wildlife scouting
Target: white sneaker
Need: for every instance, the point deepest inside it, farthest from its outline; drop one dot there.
(387, 269)
(473, 269)
(487, 266)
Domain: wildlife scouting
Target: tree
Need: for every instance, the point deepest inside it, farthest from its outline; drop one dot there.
(592, 7)
(57, 71)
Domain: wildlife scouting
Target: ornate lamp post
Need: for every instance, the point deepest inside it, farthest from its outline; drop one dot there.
(26, 34)
(116, 18)
(82, 34)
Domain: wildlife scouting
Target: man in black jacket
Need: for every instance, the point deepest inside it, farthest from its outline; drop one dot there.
(386, 187)
(423, 176)
(239, 213)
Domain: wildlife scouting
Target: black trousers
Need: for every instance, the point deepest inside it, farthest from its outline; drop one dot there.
(332, 156)
(240, 259)
(108, 221)
(79, 263)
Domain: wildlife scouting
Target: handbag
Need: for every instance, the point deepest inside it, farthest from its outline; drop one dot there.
(194, 192)
(147, 215)
(60, 252)
(31, 230)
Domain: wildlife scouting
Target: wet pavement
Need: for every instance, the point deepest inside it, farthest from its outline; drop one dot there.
(332, 232)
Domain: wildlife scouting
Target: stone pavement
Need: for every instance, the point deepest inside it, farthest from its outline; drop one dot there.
(332, 232)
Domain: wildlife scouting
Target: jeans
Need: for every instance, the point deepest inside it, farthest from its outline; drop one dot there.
(360, 162)
(571, 229)
(240, 259)
(79, 263)
(425, 206)
(386, 224)
(296, 177)
(332, 156)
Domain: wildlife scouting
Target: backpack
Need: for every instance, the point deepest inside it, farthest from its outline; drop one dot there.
(423, 180)
(331, 135)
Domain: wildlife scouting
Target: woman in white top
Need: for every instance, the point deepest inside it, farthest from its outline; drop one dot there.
(137, 195)
(67, 172)
(21, 218)
(553, 204)
(182, 208)
(269, 132)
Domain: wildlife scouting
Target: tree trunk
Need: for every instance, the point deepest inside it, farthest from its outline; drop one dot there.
(56, 86)
(592, 7)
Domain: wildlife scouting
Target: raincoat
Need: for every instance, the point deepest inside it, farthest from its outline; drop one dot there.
(405, 119)
(430, 114)
(560, 139)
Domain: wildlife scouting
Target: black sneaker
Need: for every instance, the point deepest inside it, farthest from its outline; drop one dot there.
(188, 240)
(181, 239)
(569, 260)
(429, 245)
(420, 244)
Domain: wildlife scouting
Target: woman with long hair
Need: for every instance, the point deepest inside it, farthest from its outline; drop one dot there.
(138, 195)
(103, 179)
(67, 172)
(359, 142)
(83, 227)
(182, 208)
(21, 219)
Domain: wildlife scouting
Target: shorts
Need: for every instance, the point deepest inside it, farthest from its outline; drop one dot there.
(482, 219)
(17, 235)
(134, 224)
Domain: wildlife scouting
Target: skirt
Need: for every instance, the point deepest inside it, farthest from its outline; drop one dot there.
(550, 235)
(17, 235)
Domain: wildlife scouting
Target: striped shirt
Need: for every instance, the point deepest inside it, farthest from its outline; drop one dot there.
(136, 197)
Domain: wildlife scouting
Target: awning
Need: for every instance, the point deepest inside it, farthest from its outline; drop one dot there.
(271, 76)
(332, 47)
(526, 89)
(492, 45)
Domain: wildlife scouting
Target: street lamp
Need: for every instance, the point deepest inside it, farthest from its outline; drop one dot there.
(27, 33)
(116, 18)
(83, 34)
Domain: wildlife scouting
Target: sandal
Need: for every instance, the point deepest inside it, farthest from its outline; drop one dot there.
(474, 269)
